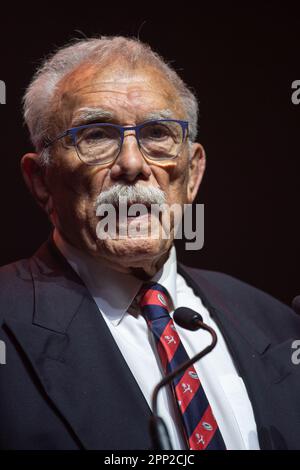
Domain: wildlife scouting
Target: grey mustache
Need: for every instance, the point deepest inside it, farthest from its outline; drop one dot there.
(134, 194)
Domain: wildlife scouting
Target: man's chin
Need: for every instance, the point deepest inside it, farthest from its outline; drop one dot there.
(133, 252)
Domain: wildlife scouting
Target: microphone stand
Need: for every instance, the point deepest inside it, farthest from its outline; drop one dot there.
(158, 429)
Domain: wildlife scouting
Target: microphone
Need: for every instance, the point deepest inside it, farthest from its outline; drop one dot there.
(296, 304)
(190, 320)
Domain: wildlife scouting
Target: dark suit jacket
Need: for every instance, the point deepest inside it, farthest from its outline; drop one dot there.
(65, 384)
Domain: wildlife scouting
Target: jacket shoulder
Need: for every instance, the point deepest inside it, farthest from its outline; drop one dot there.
(245, 299)
(15, 286)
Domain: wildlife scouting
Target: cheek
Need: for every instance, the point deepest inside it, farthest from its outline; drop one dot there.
(92, 185)
(76, 189)
(173, 180)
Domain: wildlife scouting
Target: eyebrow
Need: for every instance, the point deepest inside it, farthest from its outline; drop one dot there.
(162, 114)
(91, 115)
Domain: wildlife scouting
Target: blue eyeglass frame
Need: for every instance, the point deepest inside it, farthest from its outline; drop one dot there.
(73, 133)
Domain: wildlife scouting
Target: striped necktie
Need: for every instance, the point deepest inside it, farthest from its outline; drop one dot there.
(200, 427)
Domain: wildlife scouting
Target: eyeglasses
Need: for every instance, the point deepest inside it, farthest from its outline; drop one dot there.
(101, 143)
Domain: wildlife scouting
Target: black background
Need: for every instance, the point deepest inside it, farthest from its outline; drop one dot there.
(241, 60)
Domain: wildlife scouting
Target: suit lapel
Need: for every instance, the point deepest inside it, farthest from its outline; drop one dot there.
(77, 360)
(218, 307)
(266, 368)
(234, 325)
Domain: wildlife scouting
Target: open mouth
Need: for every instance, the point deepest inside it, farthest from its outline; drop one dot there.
(135, 213)
(133, 220)
(141, 223)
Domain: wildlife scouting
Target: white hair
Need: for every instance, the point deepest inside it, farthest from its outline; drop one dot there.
(38, 97)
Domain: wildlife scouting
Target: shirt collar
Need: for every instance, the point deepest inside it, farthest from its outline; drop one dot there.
(114, 291)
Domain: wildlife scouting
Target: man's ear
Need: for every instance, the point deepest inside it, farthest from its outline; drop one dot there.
(34, 175)
(197, 163)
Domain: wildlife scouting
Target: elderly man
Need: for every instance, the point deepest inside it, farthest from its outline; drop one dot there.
(87, 321)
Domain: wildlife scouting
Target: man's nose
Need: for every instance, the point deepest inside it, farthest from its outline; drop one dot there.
(130, 163)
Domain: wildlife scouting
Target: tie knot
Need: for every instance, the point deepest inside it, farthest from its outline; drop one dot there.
(155, 301)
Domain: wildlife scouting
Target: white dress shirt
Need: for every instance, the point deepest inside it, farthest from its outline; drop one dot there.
(114, 292)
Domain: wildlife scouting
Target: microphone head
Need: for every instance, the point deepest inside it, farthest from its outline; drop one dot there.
(187, 318)
(296, 304)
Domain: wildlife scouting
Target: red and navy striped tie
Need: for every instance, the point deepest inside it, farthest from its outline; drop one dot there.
(200, 427)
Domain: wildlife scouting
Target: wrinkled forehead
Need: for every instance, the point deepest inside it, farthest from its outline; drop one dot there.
(126, 95)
